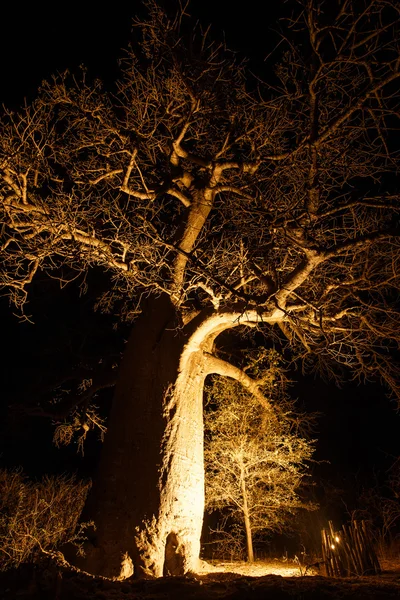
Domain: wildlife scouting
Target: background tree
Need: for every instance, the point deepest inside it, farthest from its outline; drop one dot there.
(255, 460)
(379, 504)
(212, 201)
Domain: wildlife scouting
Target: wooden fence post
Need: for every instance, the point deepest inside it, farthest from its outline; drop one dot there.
(348, 552)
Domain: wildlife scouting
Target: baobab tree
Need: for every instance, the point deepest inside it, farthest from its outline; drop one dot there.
(256, 460)
(213, 201)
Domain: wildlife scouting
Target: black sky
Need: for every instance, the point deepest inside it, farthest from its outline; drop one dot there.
(36, 41)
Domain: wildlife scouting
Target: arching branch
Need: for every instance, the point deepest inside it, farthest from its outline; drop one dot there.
(215, 365)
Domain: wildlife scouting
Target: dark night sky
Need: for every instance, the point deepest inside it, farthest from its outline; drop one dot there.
(36, 42)
(359, 427)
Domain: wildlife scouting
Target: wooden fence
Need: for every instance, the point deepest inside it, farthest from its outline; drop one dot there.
(349, 552)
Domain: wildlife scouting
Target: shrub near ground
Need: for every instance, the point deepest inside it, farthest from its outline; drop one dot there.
(37, 517)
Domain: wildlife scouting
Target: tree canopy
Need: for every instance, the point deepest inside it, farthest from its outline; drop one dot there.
(194, 180)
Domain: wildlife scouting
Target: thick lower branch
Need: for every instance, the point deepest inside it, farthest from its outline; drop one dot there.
(214, 365)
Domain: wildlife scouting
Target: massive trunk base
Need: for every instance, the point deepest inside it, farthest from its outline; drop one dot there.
(147, 501)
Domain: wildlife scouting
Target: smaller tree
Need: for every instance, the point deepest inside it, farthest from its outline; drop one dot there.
(256, 458)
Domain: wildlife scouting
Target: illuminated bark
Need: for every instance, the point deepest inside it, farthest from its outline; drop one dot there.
(150, 482)
(148, 499)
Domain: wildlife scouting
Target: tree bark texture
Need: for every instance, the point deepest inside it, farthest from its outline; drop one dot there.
(147, 501)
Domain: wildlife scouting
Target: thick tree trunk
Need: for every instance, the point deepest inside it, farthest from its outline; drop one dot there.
(147, 501)
(148, 497)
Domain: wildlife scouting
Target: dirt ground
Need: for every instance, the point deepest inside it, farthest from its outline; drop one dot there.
(273, 580)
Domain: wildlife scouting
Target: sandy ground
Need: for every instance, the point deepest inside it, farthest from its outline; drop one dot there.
(263, 567)
(227, 581)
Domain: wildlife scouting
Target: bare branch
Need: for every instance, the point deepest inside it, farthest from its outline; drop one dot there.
(190, 182)
(215, 365)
